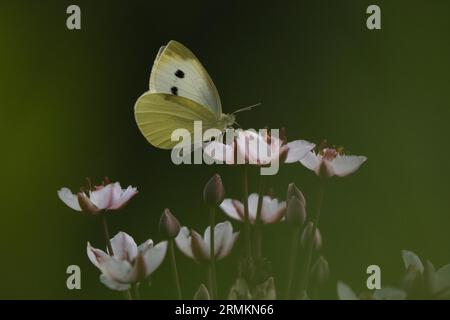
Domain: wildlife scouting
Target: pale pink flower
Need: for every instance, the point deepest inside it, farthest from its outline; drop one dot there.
(130, 263)
(197, 247)
(108, 197)
(255, 148)
(272, 210)
(329, 162)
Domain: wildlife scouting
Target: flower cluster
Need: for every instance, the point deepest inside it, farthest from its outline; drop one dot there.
(124, 264)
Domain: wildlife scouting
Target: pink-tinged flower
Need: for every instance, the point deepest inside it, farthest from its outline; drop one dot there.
(329, 162)
(272, 210)
(250, 147)
(108, 197)
(130, 263)
(198, 248)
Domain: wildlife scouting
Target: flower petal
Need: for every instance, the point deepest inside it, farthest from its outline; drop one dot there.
(113, 285)
(145, 246)
(312, 161)
(252, 207)
(124, 247)
(118, 270)
(223, 233)
(344, 165)
(272, 210)
(229, 208)
(97, 256)
(69, 198)
(200, 249)
(102, 197)
(120, 197)
(154, 257)
(220, 152)
(298, 149)
(183, 242)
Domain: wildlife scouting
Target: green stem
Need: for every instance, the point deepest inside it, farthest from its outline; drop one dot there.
(305, 275)
(213, 284)
(127, 295)
(258, 221)
(292, 259)
(173, 262)
(106, 234)
(248, 246)
(137, 294)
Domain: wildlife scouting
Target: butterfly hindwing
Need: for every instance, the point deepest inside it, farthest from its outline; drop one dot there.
(177, 71)
(159, 114)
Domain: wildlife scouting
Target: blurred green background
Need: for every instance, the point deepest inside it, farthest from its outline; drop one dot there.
(67, 113)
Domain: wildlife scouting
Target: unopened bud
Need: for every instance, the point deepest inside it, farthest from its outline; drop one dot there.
(214, 192)
(293, 191)
(169, 225)
(295, 212)
(202, 293)
(430, 278)
(320, 271)
(307, 234)
(86, 204)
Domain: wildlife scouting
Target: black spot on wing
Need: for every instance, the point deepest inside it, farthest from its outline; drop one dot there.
(174, 90)
(179, 74)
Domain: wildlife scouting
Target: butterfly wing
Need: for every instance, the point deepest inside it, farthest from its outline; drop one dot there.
(159, 114)
(177, 71)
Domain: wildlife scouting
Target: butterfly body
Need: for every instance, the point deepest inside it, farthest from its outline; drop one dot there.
(180, 93)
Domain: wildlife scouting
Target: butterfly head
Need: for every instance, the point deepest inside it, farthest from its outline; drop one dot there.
(226, 120)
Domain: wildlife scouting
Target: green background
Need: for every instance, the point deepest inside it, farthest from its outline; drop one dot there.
(67, 113)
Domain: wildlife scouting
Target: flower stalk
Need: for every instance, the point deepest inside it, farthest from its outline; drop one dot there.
(258, 221)
(173, 262)
(106, 234)
(292, 259)
(308, 254)
(248, 246)
(213, 284)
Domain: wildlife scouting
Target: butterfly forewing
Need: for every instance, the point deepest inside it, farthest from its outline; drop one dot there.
(178, 72)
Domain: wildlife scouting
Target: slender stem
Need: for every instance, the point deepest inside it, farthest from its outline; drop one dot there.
(305, 275)
(174, 269)
(212, 225)
(106, 234)
(137, 293)
(258, 221)
(127, 295)
(248, 246)
(292, 259)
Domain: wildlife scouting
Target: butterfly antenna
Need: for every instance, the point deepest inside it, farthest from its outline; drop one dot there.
(247, 108)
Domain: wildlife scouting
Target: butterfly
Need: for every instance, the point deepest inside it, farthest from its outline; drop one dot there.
(180, 92)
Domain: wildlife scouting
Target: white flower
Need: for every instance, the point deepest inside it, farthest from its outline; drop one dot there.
(130, 263)
(329, 162)
(259, 149)
(271, 211)
(194, 246)
(109, 197)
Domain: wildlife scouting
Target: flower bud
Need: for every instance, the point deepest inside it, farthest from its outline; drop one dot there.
(293, 191)
(295, 212)
(306, 236)
(169, 225)
(430, 278)
(320, 271)
(214, 192)
(202, 293)
(86, 204)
